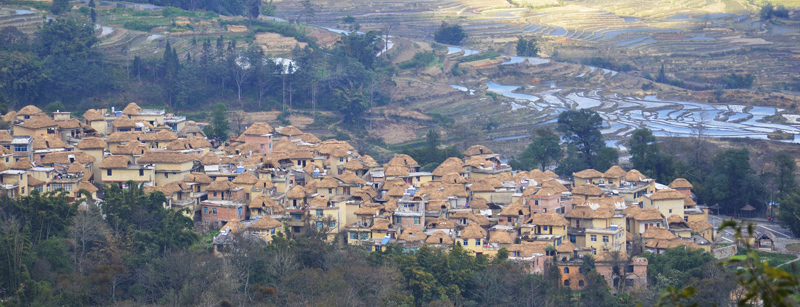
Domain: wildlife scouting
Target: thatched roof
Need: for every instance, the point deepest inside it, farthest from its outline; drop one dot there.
(88, 186)
(259, 128)
(283, 144)
(451, 165)
(260, 201)
(615, 172)
(210, 158)
(632, 210)
(475, 150)
(479, 203)
(115, 162)
(123, 122)
(296, 192)
(263, 183)
(354, 165)
(473, 231)
(328, 182)
(201, 178)
(501, 237)
(234, 226)
(588, 173)
(163, 135)
(290, 131)
(413, 235)
(33, 182)
(514, 209)
(92, 143)
(190, 128)
(527, 249)
(439, 237)
(403, 160)
(671, 243)
(29, 110)
(245, 178)
(481, 186)
(381, 224)
(634, 176)
(395, 170)
(456, 190)
(547, 219)
(131, 148)
(588, 190)
(71, 123)
(164, 157)
(265, 223)
(76, 168)
(566, 247)
(659, 233)
(700, 226)
(39, 121)
(6, 136)
(649, 214)
(309, 138)
(550, 174)
(3, 166)
(132, 109)
(120, 137)
(585, 212)
(220, 185)
(667, 194)
(369, 209)
(63, 157)
(92, 115)
(351, 178)
(680, 183)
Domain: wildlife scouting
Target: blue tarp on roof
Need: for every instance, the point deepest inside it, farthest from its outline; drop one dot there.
(385, 240)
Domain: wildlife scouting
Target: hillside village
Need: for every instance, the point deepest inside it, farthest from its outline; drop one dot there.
(272, 181)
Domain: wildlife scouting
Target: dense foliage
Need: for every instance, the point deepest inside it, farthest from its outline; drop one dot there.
(585, 145)
(544, 149)
(449, 34)
(527, 47)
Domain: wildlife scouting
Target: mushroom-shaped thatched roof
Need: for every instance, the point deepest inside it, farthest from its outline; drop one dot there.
(349, 177)
(88, 186)
(234, 226)
(265, 223)
(261, 201)
(39, 121)
(649, 214)
(479, 203)
(92, 143)
(481, 186)
(659, 233)
(164, 157)
(220, 185)
(198, 178)
(667, 195)
(264, 183)
(451, 165)
(501, 237)
(132, 109)
(381, 224)
(114, 162)
(76, 168)
(123, 122)
(328, 182)
(547, 219)
(245, 178)
(475, 150)
(29, 110)
(588, 190)
(354, 165)
(210, 158)
(473, 231)
(439, 237)
(290, 131)
(634, 176)
(566, 247)
(680, 183)
(615, 172)
(259, 128)
(296, 192)
(588, 173)
(413, 235)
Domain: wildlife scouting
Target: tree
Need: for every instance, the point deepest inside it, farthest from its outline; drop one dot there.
(449, 34)
(789, 214)
(60, 6)
(240, 118)
(732, 183)
(581, 132)
(91, 3)
(241, 70)
(220, 122)
(527, 47)
(93, 16)
(308, 10)
(647, 157)
(252, 8)
(544, 149)
(785, 179)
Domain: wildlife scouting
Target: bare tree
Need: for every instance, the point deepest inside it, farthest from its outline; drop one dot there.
(240, 118)
(87, 231)
(240, 68)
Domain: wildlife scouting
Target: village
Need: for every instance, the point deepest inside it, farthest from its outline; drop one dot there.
(279, 181)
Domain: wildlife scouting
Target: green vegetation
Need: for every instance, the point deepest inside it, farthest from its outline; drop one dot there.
(768, 11)
(738, 81)
(608, 64)
(479, 56)
(432, 153)
(420, 60)
(544, 149)
(648, 158)
(449, 34)
(585, 146)
(527, 47)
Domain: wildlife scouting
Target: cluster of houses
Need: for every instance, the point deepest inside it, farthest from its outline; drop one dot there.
(281, 181)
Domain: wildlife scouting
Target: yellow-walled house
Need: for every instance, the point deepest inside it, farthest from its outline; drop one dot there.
(94, 118)
(246, 180)
(15, 178)
(472, 238)
(160, 139)
(94, 147)
(588, 176)
(117, 139)
(38, 125)
(170, 166)
(265, 227)
(667, 201)
(119, 169)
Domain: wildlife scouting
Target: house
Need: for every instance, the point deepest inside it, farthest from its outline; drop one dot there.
(682, 185)
(94, 147)
(37, 125)
(440, 238)
(224, 203)
(594, 227)
(259, 135)
(472, 238)
(119, 169)
(667, 201)
(633, 270)
(27, 112)
(411, 238)
(94, 119)
(264, 227)
(154, 117)
(765, 241)
(170, 166)
(549, 227)
(588, 176)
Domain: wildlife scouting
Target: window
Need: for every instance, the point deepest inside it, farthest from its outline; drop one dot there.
(686, 219)
(416, 221)
(572, 239)
(580, 270)
(272, 231)
(214, 210)
(399, 220)
(297, 217)
(108, 172)
(239, 211)
(319, 225)
(330, 191)
(38, 189)
(465, 243)
(166, 175)
(594, 238)
(536, 202)
(544, 228)
(141, 172)
(566, 270)
(353, 236)
(341, 159)
(605, 239)
(320, 213)
(332, 224)
(477, 242)
(19, 148)
(566, 282)
(580, 283)
(364, 236)
(670, 210)
(205, 210)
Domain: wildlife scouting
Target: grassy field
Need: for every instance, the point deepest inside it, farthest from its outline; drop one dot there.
(773, 259)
